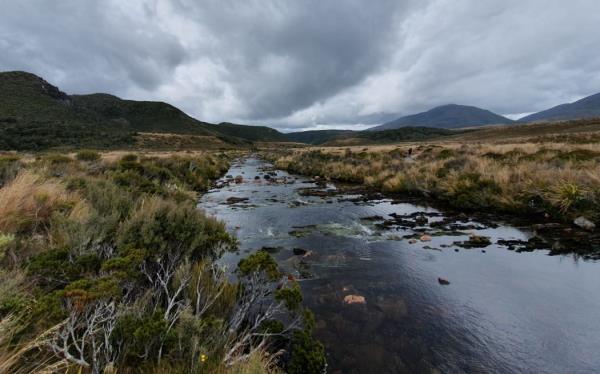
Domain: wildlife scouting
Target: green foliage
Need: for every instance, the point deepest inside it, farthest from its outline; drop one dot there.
(114, 224)
(259, 262)
(140, 336)
(290, 296)
(163, 227)
(307, 355)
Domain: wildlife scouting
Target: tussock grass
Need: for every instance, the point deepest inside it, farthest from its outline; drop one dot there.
(28, 202)
(559, 179)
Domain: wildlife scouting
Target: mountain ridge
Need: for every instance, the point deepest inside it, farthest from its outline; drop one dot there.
(587, 107)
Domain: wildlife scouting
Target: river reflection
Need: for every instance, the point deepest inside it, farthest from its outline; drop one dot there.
(503, 312)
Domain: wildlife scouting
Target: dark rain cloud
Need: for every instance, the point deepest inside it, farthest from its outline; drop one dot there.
(310, 63)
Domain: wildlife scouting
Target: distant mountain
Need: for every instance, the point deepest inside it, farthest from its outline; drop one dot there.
(35, 115)
(447, 117)
(316, 136)
(588, 107)
(252, 133)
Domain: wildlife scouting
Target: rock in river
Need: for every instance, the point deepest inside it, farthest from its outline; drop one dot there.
(235, 200)
(443, 281)
(585, 223)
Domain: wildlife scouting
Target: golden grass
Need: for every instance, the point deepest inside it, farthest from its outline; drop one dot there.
(28, 201)
(516, 177)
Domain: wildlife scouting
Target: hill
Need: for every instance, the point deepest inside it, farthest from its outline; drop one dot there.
(316, 136)
(35, 115)
(251, 133)
(447, 117)
(141, 116)
(588, 107)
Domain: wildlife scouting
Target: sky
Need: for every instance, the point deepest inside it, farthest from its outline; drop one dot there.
(311, 64)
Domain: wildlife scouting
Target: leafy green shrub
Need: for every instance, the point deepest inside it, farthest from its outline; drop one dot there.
(261, 261)
(307, 355)
(290, 296)
(159, 227)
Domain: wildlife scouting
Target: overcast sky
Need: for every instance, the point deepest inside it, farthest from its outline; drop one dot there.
(304, 64)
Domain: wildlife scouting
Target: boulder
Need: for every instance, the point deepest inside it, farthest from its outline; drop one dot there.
(239, 179)
(585, 223)
(425, 238)
(443, 282)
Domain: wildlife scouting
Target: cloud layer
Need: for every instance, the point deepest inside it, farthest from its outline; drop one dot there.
(311, 64)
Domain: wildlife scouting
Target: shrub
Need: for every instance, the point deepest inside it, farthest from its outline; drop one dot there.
(87, 155)
(307, 355)
(160, 227)
(261, 261)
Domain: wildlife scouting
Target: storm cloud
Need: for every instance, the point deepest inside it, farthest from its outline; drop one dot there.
(311, 64)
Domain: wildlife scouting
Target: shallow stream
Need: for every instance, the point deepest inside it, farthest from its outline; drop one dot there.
(502, 311)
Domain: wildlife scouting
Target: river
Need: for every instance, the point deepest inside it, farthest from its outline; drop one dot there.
(502, 311)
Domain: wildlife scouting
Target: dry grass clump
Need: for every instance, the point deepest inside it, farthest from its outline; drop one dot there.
(28, 202)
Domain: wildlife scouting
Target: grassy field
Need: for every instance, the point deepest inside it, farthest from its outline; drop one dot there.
(545, 171)
(106, 265)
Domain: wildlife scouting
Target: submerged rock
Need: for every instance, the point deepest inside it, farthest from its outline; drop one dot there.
(421, 220)
(299, 251)
(475, 241)
(585, 223)
(235, 200)
(354, 299)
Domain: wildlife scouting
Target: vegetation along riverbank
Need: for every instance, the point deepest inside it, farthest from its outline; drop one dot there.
(549, 181)
(108, 266)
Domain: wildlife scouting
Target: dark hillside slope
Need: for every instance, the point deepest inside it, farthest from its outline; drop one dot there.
(588, 107)
(37, 115)
(251, 133)
(316, 136)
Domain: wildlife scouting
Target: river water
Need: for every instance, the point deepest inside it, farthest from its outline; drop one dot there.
(502, 311)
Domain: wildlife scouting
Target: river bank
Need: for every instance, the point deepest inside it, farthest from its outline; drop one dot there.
(552, 185)
(106, 265)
